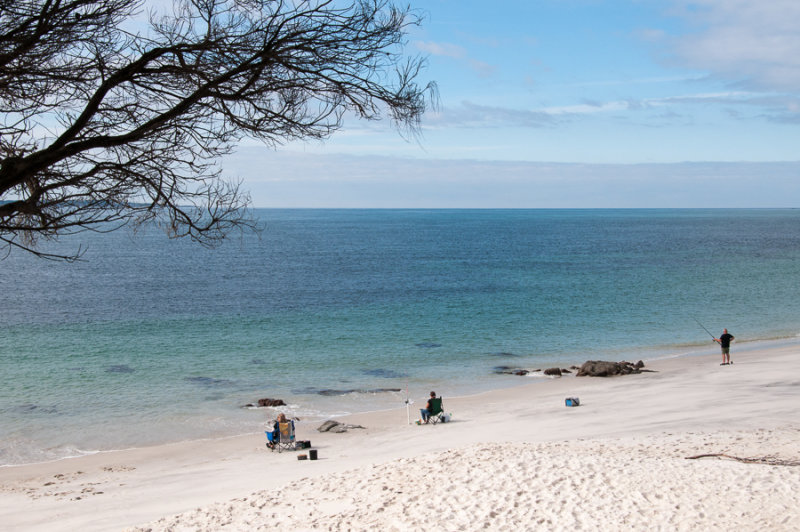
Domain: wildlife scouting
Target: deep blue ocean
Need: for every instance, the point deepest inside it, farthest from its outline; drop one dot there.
(149, 340)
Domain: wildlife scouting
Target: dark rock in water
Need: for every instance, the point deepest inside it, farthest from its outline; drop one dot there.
(600, 368)
(271, 402)
(331, 393)
(335, 426)
(508, 370)
(640, 364)
(428, 345)
(503, 354)
(304, 391)
(208, 381)
(334, 393)
(384, 373)
(119, 368)
(553, 372)
(30, 408)
(563, 370)
(317, 391)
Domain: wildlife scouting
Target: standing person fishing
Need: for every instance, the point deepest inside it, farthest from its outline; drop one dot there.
(725, 342)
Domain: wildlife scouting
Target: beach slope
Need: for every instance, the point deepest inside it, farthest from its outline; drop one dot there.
(510, 458)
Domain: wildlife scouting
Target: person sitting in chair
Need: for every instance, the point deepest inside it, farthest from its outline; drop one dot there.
(276, 429)
(426, 412)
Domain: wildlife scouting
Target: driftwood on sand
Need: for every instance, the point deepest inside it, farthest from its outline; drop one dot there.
(768, 460)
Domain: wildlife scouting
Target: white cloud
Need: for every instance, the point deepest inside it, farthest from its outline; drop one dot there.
(484, 70)
(285, 179)
(588, 107)
(755, 42)
(441, 49)
(453, 51)
(471, 115)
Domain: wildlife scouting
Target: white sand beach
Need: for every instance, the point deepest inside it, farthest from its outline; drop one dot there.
(510, 459)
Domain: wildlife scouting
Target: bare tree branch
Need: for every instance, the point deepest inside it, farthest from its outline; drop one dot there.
(100, 128)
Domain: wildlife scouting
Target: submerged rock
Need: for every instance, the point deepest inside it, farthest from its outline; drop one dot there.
(334, 393)
(209, 381)
(503, 354)
(119, 368)
(30, 408)
(384, 373)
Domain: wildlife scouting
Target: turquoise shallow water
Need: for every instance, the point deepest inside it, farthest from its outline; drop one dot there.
(150, 340)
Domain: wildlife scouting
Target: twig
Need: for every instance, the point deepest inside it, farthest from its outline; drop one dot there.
(769, 460)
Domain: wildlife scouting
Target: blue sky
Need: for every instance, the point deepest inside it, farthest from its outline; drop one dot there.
(571, 103)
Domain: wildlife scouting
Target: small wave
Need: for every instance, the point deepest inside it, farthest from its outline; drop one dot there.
(19, 453)
(540, 375)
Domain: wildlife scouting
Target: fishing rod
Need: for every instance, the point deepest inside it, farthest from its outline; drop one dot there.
(706, 330)
(409, 402)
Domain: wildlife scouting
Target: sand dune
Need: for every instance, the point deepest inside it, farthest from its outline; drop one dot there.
(620, 484)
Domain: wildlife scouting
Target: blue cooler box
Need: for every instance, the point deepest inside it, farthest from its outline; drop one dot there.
(573, 401)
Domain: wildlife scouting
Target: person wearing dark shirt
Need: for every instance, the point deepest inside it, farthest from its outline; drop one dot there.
(725, 342)
(426, 412)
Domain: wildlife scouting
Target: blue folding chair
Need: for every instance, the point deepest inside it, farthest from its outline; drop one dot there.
(283, 439)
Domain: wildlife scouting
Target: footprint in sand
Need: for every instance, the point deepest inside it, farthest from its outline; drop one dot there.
(118, 469)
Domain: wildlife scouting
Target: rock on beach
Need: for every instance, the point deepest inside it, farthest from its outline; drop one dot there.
(602, 368)
(335, 426)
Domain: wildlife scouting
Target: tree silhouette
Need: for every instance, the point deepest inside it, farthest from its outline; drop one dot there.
(101, 126)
